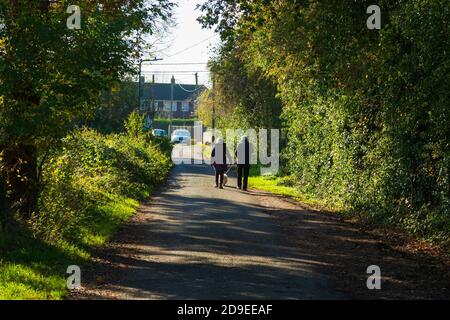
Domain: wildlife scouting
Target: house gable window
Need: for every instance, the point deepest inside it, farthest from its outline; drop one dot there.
(166, 105)
(185, 107)
(174, 106)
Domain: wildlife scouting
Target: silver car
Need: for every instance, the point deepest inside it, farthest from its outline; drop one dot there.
(181, 136)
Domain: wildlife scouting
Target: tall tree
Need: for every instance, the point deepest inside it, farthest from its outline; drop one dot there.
(366, 110)
(52, 76)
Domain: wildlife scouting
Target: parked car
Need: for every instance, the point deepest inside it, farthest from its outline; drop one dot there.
(181, 136)
(159, 133)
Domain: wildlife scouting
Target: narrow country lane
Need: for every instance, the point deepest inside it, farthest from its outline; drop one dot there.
(117, 117)
(192, 241)
(198, 242)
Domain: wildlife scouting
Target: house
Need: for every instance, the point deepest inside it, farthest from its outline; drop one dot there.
(184, 99)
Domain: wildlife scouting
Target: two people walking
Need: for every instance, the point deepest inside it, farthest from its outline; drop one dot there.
(221, 160)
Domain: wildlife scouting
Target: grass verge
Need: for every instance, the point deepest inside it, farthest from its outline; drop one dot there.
(284, 186)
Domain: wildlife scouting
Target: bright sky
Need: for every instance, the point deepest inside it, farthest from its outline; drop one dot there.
(187, 42)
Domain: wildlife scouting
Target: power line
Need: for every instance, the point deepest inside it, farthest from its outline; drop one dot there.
(180, 64)
(183, 79)
(192, 46)
(189, 91)
(179, 79)
(174, 72)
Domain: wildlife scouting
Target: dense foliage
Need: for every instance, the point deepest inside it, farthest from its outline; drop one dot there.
(366, 111)
(51, 77)
(116, 104)
(90, 185)
(91, 171)
(64, 189)
(242, 98)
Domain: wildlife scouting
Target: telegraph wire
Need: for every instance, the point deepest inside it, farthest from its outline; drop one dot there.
(180, 64)
(174, 72)
(192, 46)
(189, 91)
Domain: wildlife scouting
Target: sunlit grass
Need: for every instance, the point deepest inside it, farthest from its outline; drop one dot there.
(91, 186)
(18, 282)
(108, 218)
(281, 186)
(33, 270)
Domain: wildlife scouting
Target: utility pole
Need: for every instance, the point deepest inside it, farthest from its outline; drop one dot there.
(195, 102)
(139, 81)
(213, 138)
(153, 111)
(196, 95)
(139, 85)
(172, 83)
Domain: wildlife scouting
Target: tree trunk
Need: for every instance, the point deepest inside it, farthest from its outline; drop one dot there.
(19, 174)
(3, 212)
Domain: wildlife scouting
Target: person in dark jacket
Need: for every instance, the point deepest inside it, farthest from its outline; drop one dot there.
(220, 159)
(244, 155)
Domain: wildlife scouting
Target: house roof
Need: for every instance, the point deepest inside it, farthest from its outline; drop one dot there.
(181, 92)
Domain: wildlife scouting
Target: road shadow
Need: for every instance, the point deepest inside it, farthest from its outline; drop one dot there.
(227, 246)
(200, 247)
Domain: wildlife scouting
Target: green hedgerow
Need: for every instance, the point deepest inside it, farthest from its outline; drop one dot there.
(90, 185)
(89, 172)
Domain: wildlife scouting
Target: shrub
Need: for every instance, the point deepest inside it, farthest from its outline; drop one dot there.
(90, 185)
(92, 172)
(134, 125)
